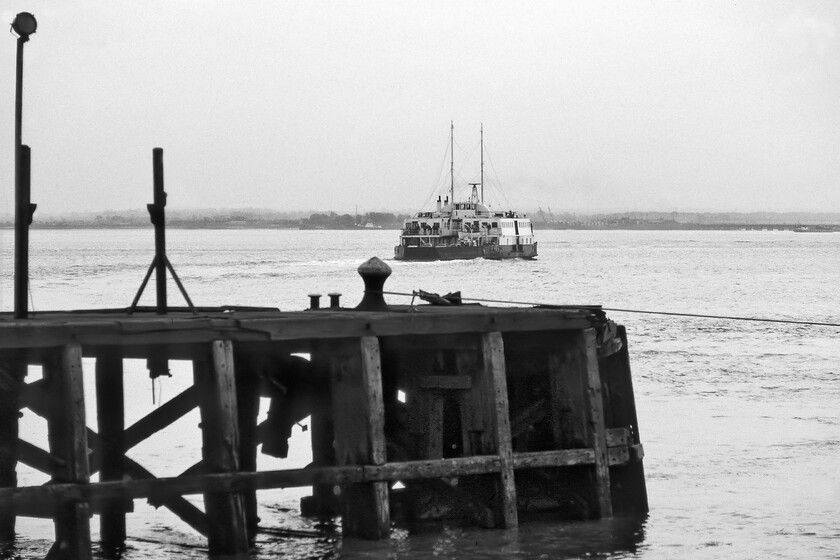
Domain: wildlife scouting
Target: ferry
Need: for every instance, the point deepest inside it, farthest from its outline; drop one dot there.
(467, 229)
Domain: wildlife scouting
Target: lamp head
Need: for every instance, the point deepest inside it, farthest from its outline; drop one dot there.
(24, 25)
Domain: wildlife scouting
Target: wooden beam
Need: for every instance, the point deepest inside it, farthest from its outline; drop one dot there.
(629, 490)
(214, 376)
(68, 441)
(39, 459)
(495, 384)
(596, 436)
(12, 373)
(38, 402)
(248, 409)
(161, 417)
(359, 426)
(147, 486)
(174, 330)
(110, 405)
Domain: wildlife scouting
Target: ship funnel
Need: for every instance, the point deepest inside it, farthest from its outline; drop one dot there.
(438, 204)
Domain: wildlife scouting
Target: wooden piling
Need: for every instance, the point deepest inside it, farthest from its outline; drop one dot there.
(69, 443)
(494, 397)
(596, 437)
(214, 376)
(248, 408)
(504, 408)
(359, 428)
(110, 406)
(12, 372)
(627, 482)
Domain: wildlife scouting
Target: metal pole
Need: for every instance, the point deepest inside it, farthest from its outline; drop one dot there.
(21, 229)
(23, 219)
(157, 213)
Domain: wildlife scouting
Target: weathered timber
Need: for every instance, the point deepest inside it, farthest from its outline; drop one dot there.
(627, 483)
(214, 377)
(151, 487)
(160, 418)
(359, 428)
(111, 421)
(68, 441)
(496, 400)
(38, 400)
(505, 411)
(248, 408)
(12, 372)
(596, 436)
(92, 330)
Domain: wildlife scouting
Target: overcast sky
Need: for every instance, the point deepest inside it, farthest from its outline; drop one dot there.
(646, 105)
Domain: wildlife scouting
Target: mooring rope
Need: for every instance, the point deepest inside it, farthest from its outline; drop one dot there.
(646, 312)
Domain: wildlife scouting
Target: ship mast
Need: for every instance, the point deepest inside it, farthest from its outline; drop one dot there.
(482, 164)
(452, 163)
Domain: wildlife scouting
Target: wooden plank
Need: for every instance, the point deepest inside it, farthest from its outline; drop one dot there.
(597, 438)
(67, 328)
(111, 422)
(39, 459)
(214, 376)
(156, 488)
(436, 468)
(559, 458)
(149, 487)
(68, 441)
(493, 360)
(446, 382)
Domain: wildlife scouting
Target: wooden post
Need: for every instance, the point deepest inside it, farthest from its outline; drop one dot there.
(248, 407)
(490, 392)
(596, 436)
(359, 426)
(68, 441)
(12, 372)
(214, 376)
(323, 502)
(111, 420)
(627, 482)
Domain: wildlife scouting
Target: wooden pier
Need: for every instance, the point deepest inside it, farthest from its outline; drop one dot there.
(484, 414)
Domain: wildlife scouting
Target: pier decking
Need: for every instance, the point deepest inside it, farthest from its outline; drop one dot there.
(485, 414)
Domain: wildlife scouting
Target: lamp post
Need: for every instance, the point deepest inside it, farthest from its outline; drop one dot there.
(23, 26)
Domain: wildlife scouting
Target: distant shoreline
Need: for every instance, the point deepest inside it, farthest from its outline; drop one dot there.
(268, 219)
(811, 228)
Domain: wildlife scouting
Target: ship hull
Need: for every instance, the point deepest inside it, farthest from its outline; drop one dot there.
(464, 252)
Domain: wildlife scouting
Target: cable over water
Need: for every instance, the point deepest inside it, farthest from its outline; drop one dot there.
(641, 311)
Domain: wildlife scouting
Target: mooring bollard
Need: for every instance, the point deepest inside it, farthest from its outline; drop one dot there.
(374, 272)
(314, 301)
(334, 297)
